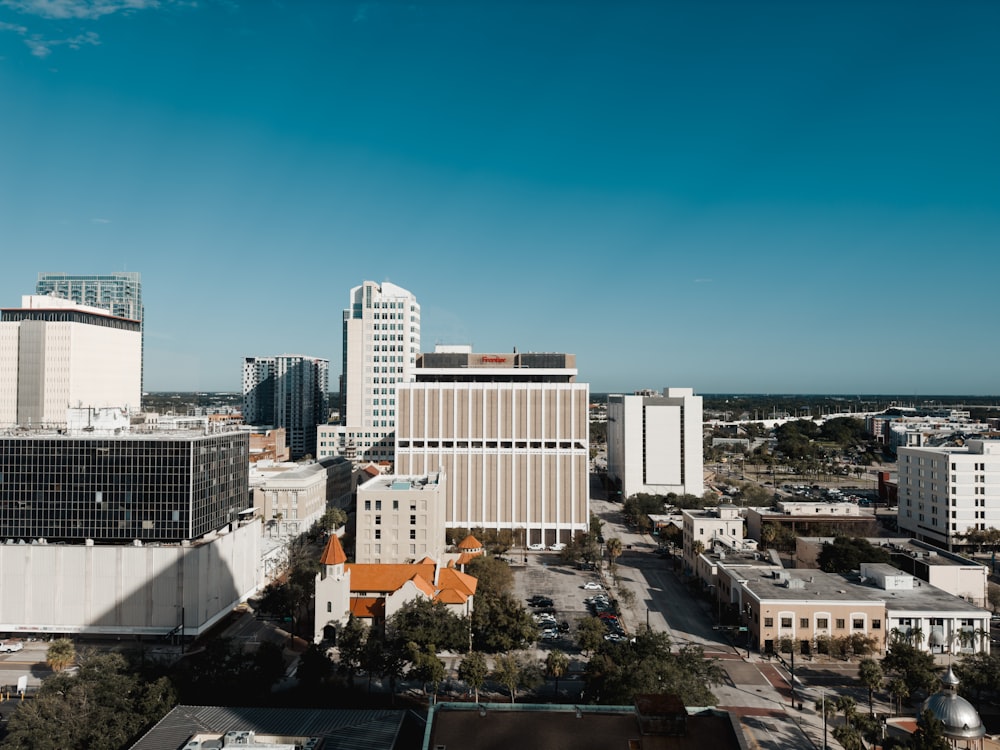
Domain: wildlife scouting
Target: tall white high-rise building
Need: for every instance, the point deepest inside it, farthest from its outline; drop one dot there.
(120, 292)
(655, 442)
(56, 354)
(947, 492)
(381, 344)
(289, 391)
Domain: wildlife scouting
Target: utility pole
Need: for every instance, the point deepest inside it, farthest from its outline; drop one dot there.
(824, 718)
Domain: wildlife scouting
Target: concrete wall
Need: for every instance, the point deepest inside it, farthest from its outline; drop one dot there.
(118, 589)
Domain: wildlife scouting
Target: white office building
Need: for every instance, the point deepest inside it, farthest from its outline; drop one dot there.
(288, 391)
(511, 433)
(56, 354)
(381, 343)
(947, 492)
(655, 442)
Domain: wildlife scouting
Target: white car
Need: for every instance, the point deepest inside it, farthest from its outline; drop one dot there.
(536, 547)
(557, 547)
(593, 586)
(8, 647)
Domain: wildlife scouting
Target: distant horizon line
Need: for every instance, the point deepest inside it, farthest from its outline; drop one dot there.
(717, 394)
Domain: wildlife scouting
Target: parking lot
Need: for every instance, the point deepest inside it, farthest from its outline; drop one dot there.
(546, 575)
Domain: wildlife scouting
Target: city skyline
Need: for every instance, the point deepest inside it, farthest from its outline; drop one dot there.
(730, 197)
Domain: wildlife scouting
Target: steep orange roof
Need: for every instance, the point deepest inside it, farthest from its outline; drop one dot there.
(451, 578)
(368, 606)
(465, 558)
(334, 553)
(387, 576)
(470, 542)
(450, 596)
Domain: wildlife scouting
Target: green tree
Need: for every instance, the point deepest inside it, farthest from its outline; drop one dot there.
(847, 706)
(979, 673)
(614, 548)
(351, 648)
(500, 623)
(846, 554)
(60, 654)
(314, 667)
(848, 737)
(871, 676)
(556, 664)
(620, 671)
(930, 733)
(331, 520)
(424, 622)
(103, 706)
(224, 671)
(899, 691)
(915, 667)
(494, 576)
(589, 634)
(516, 673)
(473, 671)
(426, 666)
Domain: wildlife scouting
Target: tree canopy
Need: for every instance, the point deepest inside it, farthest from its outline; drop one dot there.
(426, 622)
(620, 671)
(845, 554)
(104, 706)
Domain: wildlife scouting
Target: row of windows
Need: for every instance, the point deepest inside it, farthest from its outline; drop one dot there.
(378, 520)
(395, 505)
(493, 444)
(378, 534)
(823, 623)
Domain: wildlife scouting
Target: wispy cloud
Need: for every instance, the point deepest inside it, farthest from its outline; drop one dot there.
(43, 47)
(77, 8)
(13, 27)
(703, 281)
(100, 221)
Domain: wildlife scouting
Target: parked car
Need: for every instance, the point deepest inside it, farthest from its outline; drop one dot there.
(9, 647)
(593, 586)
(536, 547)
(557, 547)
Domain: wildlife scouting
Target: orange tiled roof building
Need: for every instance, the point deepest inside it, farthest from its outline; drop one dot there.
(375, 591)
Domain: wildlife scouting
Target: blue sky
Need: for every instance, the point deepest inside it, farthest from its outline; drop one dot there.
(778, 197)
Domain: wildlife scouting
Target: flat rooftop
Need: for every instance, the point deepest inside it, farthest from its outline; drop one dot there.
(808, 584)
(391, 482)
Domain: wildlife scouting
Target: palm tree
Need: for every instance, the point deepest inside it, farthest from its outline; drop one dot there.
(896, 636)
(915, 636)
(982, 635)
(871, 675)
(899, 691)
(614, 548)
(556, 664)
(60, 654)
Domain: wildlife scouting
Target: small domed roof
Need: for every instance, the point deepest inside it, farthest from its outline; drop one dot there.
(960, 718)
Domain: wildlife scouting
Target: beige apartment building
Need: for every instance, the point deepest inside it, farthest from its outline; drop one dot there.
(883, 603)
(400, 518)
(950, 571)
(291, 497)
(510, 431)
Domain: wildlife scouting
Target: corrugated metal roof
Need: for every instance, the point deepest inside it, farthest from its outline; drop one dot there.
(341, 729)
